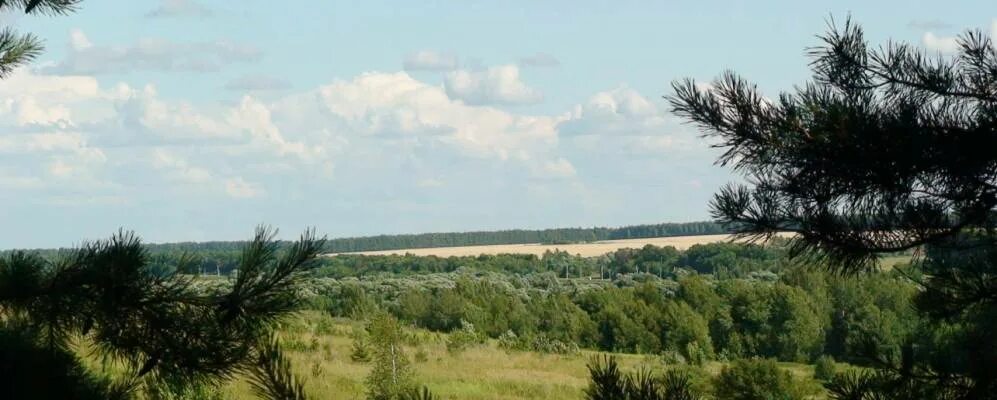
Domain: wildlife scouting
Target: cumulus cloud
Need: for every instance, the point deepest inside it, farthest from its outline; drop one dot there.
(618, 112)
(257, 83)
(179, 8)
(429, 60)
(178, 169)
(86, 58)
(539, 60)
(942, 44)
(397, 104)
(495, 85)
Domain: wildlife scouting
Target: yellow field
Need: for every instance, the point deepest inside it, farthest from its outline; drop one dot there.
(582, 249)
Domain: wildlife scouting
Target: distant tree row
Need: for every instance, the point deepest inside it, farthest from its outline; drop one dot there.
(520, 236)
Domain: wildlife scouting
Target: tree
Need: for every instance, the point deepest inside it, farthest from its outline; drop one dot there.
(886, 149)
(391, 377)
(168, 331)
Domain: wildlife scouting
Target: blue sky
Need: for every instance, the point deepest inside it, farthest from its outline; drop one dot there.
(197, 120)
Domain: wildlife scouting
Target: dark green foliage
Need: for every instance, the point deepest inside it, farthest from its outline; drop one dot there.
(796, 317)
(883, 384)
(887, 149)
(756, 379)
(418, 394)
(166, 329)
(679, 385)
(360, 352)
(29, 370)
(825, 369)
(608, 382)
(270, 375)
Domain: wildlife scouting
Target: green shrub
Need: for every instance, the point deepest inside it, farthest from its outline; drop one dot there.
(607, 382)
(756, 379)
(360, 351)
(463, 338)
(825, 369)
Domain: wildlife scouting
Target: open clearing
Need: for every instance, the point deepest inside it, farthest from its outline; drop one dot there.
(319, 350)
(582, 249)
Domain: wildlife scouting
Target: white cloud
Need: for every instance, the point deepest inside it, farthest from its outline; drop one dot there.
(495, 85)
(398, 108)
(86, 58)
(179, 8)
(178, 169)
(942, 44)
(429, 60)
(239, 188)
(620, 111)
(253, 117)
(141, 117)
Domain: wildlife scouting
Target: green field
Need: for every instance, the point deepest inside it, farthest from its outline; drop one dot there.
(319, 348)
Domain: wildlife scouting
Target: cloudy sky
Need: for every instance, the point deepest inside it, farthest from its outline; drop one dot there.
(197, 120)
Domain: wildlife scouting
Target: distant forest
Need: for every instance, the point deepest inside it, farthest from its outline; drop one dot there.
(220, 257)
(450, 239)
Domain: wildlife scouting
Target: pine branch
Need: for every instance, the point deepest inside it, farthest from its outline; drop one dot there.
(17, 50)
(270, 375)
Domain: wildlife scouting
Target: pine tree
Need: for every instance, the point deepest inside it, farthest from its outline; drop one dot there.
(168, 331)
(19, 49)
(887, 149)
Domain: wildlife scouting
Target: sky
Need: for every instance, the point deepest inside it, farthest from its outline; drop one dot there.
(190, 120)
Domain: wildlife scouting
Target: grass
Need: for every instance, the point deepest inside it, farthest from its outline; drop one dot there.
(319, 348)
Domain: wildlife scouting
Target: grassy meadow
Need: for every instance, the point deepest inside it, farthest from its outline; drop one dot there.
(319, 348)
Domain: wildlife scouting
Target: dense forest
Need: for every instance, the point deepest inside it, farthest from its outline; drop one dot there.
(713, 301)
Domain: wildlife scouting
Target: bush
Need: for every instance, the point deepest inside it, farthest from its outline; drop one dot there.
(756, 379)
(680, 385)
(825, 369)
(360, 351)
(463, 338)
(606, 381)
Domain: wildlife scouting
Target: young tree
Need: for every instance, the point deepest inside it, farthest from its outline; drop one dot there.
(168, 331)
(391, 377)
(886, 149)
